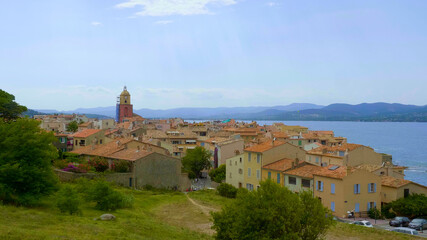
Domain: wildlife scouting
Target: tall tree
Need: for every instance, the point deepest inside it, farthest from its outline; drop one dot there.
(26, 153)
(72, 126)
(9, 109)
(196, 160)
(272, 212)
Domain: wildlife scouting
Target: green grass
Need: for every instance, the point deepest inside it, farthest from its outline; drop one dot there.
(139, 222)
(156, 215)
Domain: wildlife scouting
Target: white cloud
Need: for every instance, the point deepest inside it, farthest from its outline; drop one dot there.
(96, 24)
(173, 7)
(163, 22)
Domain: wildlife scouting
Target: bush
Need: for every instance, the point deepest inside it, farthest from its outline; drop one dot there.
(385, 211)
(72, 157)
(68, 201)
(60, 164)
(374, 213)
(85, 167)
(106, 197)
(120, 166)
(99, 163)
(218, 174)
(191, 175)
(72, 168)
(227, 190)
(414, 205)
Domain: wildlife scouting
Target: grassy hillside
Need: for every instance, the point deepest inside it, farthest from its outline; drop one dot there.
(155, 215)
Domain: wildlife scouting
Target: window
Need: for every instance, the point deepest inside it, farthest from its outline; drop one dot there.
(258, 158)
(317, 159)
(130, 182)
(269, 175)
(305, 183)
(278, 178)
(292, 180)
(240, 160)
(299, 143)
(319, 186)
(341, 153)
(249, 157)
(249, 186)
(202, 144)
(100, 141)
(371, 205)
(175, 142)
(258, 174)
(231, 163)
(249, 172)
(309, 158)
(333, 188)
(333, 206)
(230, 175)
(357, 207)
(406, 192)
(240, 171)
(372, 187)
(235, 163)
(356, 188)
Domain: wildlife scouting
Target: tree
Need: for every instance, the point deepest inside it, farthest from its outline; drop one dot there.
(196, 160)
(73, 126)
(218, 174)
(272, 212)
(68, 200)
(26, 153)
(414, 205)
(9, 109)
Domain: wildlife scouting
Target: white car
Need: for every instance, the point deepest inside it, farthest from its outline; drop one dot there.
(363, 223)
(405, 230)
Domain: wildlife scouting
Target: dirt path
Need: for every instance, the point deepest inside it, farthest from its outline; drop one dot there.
(206, 210)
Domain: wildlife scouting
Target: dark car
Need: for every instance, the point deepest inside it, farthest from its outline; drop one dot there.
(399, 222)
(418, 224)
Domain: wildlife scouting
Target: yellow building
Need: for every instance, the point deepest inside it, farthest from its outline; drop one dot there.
(300, 178)
(88, 137)
(234, 171)
(344, 189)
(265, 153)
(395, 188)
(274, 171)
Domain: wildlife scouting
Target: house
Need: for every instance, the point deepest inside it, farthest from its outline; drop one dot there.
(234, 170)
(275, 169)
(394, 188)
(64, 143)
(344, 189)
(300, 178)
(149, 164)
(88, 137)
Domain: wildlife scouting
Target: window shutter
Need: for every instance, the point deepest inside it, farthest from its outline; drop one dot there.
(317, 185)
(321, 186)
(356, 209)
(355, 188)
(368, 207)
(269, 175)
(375, 187)
(375, 204)
(333, 206)
(332, 187)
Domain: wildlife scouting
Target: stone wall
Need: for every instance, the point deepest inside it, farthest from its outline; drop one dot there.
(121, 179)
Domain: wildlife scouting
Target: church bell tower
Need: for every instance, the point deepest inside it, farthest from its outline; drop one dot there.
(124, 107)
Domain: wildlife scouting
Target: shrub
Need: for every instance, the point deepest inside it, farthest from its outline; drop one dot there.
(227, 190)
(191, 175)
(72, 168)
(412, 206)
(106, 197)
(218, 174)
(374, 213)
(60, 164)
(99, 163)
(85, 167)
(67, 200)
(120, 166)
(385, 211)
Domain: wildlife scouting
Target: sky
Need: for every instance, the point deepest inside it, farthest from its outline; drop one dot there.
(73, 54)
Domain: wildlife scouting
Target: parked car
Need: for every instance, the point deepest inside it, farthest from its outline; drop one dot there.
(418, 224)
(405, 230)
(363, 223)
(399, 222)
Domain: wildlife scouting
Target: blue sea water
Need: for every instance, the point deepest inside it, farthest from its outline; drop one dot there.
(405, 141)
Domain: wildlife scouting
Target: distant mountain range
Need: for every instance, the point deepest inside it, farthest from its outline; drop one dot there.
(297, 111)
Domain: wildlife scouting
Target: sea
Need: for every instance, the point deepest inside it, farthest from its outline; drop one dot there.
(405, 141)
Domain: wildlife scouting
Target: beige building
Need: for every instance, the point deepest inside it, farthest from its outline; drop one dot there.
(395, 188)
(344, 189)
(234, 171)
(88, 137)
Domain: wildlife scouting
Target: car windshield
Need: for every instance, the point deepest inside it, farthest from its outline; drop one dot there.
(367, 223)
(417, 220)
(398, 218)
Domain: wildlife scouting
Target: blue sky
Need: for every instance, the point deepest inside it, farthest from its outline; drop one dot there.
(210, 53)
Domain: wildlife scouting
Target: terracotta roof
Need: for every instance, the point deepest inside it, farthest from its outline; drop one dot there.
(103, 149)
(323, 132)
(85, 133)
(280, 135)
(305, 171)
(339, 172)
(85, 124)
(262, 147)
(345, 146)
(280, 165)
(369, 167)
(393, 182)
(129, 154)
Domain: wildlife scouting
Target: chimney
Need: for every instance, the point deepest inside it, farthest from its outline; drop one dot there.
(296, 162)
(348, 170)
(293, 165)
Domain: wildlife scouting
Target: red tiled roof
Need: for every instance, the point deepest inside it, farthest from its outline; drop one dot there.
(339, 172)
(85, 133)
(305, 171)
(393, 182)
(280, 165)
(262, 147)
